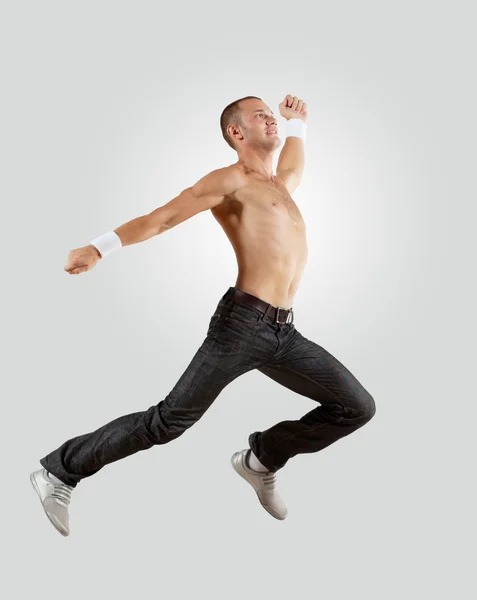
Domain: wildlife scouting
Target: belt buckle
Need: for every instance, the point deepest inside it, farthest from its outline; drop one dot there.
(289, 315)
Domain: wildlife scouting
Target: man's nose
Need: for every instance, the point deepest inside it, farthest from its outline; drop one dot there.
(271, 121)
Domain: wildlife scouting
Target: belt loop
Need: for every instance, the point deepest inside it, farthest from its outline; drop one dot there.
(230, 294)
(264, 314)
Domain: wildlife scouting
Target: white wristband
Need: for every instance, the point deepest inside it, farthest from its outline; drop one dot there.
(107, 243)
(296, 128)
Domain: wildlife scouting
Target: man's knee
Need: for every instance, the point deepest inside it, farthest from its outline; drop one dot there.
(165, 423)
(367, 406)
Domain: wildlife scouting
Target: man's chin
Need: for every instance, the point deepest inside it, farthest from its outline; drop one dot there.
(268, 144)
(273, 141)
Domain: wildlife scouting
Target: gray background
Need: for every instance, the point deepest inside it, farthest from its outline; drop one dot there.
(110, 109)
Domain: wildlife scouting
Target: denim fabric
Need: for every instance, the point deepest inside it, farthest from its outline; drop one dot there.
(240, 338)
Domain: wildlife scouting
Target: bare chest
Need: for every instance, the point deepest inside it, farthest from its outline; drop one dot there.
(271, 198)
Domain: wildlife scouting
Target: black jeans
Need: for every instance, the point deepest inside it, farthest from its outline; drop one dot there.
(239, 338)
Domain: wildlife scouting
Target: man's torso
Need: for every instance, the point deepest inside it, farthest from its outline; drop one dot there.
(268, 235)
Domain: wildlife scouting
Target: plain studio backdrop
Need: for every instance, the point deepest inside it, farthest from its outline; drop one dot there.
(109, 110)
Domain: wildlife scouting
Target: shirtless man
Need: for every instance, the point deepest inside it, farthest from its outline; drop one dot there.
(251, 328)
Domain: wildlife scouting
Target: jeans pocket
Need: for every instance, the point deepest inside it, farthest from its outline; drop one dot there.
(244, 313)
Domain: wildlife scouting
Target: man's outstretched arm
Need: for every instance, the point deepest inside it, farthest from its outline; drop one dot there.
(208, 192)
(291, 161)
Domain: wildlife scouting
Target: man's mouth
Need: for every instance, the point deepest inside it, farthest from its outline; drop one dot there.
(271, 131)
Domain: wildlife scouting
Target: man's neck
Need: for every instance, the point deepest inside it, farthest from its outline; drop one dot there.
(260, 162)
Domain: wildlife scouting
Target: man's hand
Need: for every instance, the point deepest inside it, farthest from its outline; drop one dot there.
(82, 259)
(293, 108)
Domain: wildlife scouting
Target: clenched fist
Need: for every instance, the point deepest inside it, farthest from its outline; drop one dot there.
(82, 259)
(293, 108)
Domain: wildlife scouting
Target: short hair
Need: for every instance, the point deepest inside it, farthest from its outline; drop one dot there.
(232, 114)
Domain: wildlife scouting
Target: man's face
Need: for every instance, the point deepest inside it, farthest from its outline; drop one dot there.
(260, 127)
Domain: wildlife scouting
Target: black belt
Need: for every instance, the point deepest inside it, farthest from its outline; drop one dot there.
(278, 314)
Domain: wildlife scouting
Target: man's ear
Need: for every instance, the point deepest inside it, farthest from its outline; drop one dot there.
(234, 132)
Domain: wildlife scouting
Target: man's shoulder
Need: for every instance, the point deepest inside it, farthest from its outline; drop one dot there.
(233, 176)
(220, 182)
(233, 170)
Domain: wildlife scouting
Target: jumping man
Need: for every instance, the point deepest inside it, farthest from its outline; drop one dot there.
(252, 326)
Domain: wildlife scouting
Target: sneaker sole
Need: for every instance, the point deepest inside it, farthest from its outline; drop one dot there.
(267, 508)
(57, 524)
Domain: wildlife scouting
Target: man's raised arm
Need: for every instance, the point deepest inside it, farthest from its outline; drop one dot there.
(206, 193)
(291, 161)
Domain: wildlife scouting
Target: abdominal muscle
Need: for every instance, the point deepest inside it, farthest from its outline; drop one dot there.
(268, 235)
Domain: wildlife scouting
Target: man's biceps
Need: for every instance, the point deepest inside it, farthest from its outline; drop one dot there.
(211, 200)
(186, 205)
(209, 195)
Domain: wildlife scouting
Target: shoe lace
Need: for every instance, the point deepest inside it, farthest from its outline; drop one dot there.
(62, 492)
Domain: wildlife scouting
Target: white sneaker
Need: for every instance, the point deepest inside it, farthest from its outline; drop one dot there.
(263, 483)
(54, 498)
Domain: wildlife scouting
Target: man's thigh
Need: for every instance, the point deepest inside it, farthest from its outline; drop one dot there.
(308, 369)
(224, 355)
